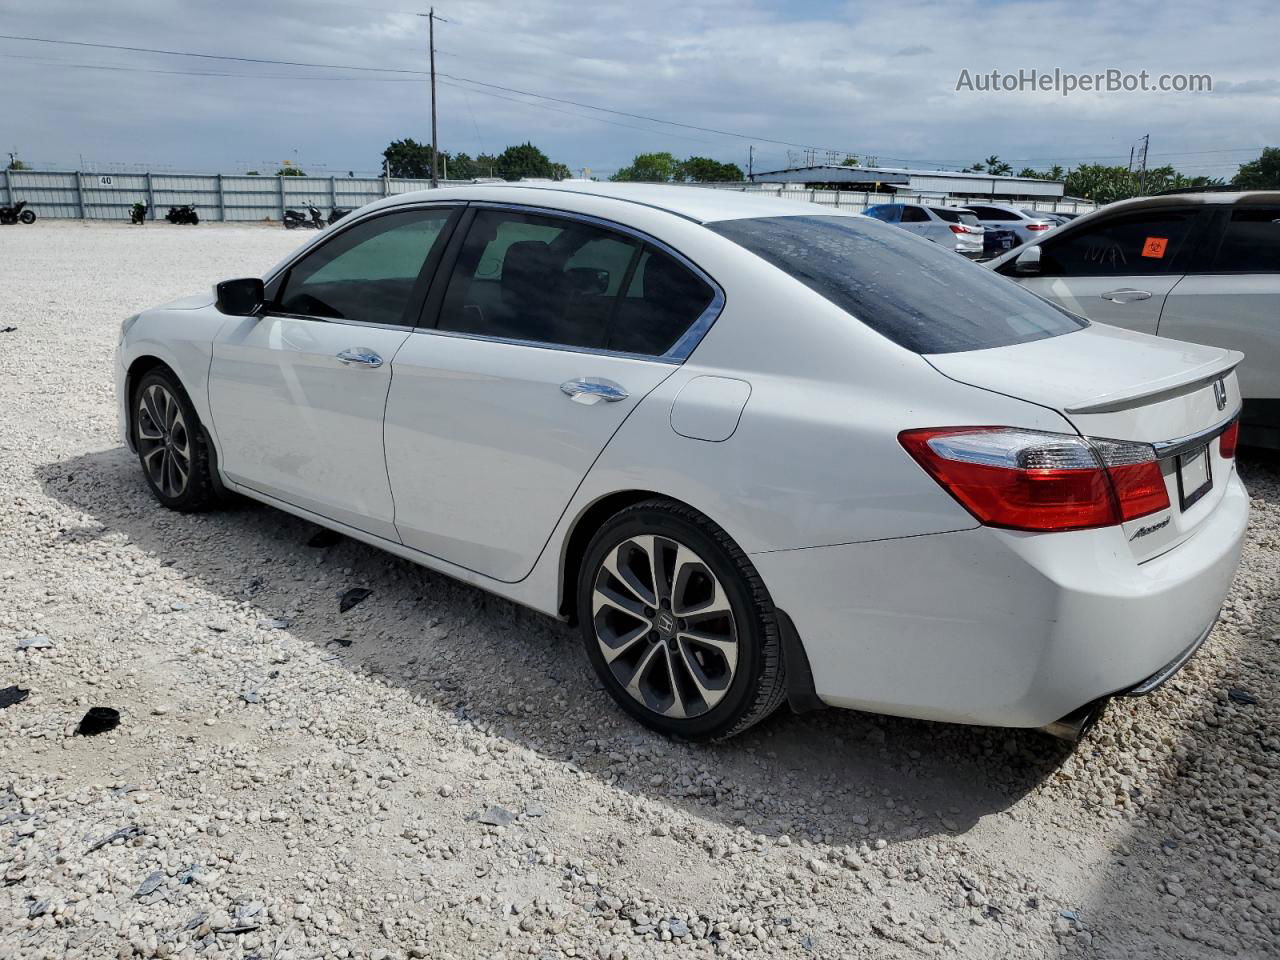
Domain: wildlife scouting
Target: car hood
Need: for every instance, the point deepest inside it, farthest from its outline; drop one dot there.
(193, 301)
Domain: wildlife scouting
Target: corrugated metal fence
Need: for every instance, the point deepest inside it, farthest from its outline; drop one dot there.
(109, 196)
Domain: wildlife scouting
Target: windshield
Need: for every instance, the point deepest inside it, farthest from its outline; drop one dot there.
(920, 295)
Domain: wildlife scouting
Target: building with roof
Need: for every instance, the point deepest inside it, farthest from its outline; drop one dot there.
(922, 183)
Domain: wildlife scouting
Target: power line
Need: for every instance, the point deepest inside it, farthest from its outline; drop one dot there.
(460, 79)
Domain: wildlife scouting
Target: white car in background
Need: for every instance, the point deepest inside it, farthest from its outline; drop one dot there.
(952, 228)
(758, 451)
(1027, 225)
(1200, 267)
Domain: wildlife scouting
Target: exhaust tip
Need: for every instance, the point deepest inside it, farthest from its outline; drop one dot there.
(1073, 727)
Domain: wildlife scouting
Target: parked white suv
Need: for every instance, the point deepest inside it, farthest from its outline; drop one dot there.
(1026, 224)
(1200, 267)
(957, 229)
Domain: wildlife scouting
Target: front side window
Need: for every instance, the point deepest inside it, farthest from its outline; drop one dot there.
(921, 296)
(1251, 243)
(1137, 244)
(546, 279)
(368, 272)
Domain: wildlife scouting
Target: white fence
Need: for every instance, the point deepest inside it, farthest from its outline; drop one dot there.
(109, 196)
(235, 197)
(859, 201)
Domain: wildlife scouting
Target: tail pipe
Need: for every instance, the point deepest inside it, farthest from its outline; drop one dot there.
(1077, 723)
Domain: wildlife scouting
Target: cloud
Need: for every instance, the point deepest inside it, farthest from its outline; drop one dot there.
(827, 79)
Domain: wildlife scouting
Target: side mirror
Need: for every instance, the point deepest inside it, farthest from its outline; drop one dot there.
(240, 298)
(1028, 262)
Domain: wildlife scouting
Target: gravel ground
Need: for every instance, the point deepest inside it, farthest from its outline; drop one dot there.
(436, 774)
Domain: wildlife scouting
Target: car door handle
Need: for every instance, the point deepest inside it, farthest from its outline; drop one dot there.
(592, 390)
(1126, 295)
(360, 356)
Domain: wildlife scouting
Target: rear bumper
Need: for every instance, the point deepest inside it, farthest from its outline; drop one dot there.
(995, 627)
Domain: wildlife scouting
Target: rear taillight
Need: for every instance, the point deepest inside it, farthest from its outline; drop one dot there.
(1027, 480)
(959, 228)
(1037, 226)
(1227, 442)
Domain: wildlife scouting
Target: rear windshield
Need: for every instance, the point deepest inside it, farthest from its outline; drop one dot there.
(920, 295)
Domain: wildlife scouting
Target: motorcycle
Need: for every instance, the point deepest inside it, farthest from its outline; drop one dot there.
(183, 214)
(17, 214)
(138, 213)
(295, 218)
(337, 213)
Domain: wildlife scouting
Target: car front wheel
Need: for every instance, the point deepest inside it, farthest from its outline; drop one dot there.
(171, 443)
(677, 623)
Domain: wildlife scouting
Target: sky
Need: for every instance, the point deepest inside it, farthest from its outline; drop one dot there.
(875, 79)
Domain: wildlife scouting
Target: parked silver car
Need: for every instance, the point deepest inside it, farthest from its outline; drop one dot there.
(1026, 224)
(1199, 267)
(957, 229)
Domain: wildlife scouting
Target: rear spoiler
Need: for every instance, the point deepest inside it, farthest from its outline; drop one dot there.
(1170, 386)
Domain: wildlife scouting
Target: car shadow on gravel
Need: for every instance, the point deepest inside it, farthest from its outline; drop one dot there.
(1194, 874)
(839, 776)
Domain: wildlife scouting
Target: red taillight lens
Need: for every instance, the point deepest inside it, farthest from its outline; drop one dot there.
(1027, 480)
(1227, 442)
(958, 228)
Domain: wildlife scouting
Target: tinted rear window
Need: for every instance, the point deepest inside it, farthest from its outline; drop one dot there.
(919, 295)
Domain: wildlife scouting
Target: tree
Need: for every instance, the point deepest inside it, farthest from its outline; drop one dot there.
(704, 170)
(407, 159)
(291, 171)
(649, 168)
(16, 164)
(1260, 174)
(252, 173)
(524, 160)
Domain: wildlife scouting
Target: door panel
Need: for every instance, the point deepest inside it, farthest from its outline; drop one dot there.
(297, 423)
(485, 449)
(1119, 301)
(1238, 311)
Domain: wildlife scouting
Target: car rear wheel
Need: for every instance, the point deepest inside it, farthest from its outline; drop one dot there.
(171, 443)
(678, 624)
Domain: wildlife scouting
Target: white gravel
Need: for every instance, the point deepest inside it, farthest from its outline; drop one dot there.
(436, 774)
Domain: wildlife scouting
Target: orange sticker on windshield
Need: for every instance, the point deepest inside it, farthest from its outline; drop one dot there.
(1154, 247)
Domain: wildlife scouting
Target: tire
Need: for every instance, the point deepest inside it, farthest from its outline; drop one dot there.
(706, 675)
(195, 219)
(27, 216)
(289, 225)
(167, 434)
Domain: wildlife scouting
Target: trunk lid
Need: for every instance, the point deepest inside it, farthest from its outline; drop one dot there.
(1119, 385)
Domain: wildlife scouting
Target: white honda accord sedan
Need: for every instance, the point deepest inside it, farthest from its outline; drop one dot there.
(758, 451)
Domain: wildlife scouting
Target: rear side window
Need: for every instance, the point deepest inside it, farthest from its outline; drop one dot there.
(951, 216)
(914, 215)
(1251, 243)
(553, 280)
(920, 296)
(1139, 244)
(888, 212)
(995, 213)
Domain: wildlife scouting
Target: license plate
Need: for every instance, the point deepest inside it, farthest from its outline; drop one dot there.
(1195, 479)
(1006, 244)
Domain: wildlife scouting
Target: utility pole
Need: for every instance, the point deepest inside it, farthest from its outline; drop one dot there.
(751, 155)
(435, 144)
(1146, 143)
(1131, 158)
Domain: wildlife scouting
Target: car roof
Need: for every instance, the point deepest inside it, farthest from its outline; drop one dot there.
(700, 204)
